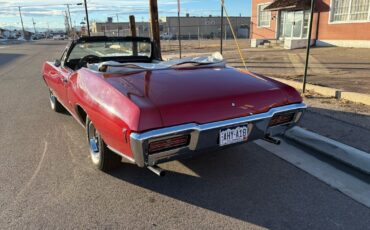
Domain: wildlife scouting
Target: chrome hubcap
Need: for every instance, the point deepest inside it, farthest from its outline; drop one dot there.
(93, 138)
(52, 100)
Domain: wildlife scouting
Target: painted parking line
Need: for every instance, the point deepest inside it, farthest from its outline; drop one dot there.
(296, 63)
(346, 183)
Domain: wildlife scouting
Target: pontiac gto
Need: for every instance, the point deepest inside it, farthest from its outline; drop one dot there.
(150, 111)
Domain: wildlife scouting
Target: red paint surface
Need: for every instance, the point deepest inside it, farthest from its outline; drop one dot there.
(149, 100)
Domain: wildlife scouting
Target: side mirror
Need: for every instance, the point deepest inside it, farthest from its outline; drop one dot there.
(57, 63)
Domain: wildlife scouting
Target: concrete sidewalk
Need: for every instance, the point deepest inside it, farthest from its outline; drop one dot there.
(351, 156)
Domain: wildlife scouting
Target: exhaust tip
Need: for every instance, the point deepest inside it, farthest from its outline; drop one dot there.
(157, 170)
(272, 140)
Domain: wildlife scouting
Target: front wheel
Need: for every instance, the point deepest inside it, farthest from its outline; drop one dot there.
(103, 159)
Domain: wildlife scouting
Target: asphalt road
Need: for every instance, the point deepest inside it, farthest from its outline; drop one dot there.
(47, 180)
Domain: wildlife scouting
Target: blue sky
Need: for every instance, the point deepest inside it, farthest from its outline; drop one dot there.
(48, 13)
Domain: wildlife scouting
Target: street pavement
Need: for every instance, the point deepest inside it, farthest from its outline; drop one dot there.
(48, 181)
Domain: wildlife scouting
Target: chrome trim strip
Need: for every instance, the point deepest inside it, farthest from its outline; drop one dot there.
(121, 154)
(214, 125)
(138, 140)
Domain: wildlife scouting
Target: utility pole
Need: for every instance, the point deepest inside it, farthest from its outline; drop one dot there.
(222, 26)
(155, 28)
(66, 23)
(69, 16)
(87, 19)
(117, 25)
(133, 34)
(20, 15)
(179, 25)
(34, 27)
(308, 46)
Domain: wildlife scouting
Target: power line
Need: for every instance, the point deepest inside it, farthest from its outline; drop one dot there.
(42, 5)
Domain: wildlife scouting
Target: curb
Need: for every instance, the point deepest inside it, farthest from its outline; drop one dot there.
(344, 153)
(331, 92)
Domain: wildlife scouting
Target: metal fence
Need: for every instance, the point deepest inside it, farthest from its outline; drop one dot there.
(191, 32)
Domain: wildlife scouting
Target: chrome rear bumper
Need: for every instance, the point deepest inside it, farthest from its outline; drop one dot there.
(205, 136)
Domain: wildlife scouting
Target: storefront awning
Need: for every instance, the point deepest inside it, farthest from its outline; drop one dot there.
(289, 5)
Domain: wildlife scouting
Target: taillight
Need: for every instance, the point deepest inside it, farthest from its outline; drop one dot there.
(168, 144)
(280, 119)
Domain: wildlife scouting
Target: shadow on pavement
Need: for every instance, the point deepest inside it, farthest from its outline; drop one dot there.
(50, 43)
(352, 129)
(250, 184)
(6, 58)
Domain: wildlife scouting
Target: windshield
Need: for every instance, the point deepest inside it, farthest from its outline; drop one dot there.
(112, 49)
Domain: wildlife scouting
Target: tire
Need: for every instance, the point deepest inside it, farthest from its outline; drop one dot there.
(55, 105)
(102, 157)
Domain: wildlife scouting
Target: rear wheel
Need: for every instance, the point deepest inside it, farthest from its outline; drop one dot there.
(102, 157)
(55, 105)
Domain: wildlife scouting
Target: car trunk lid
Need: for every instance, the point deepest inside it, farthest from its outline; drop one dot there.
(203, 95)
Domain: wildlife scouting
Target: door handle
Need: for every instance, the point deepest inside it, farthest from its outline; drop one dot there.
(53, 73)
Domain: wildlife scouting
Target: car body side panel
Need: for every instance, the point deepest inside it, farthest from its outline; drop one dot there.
(113, 114)
(53, 78)
(109, 123)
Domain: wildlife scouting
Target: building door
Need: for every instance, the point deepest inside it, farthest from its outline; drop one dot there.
(297, 24)
(293, 24)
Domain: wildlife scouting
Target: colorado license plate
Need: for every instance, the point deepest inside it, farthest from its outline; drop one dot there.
(233, 135)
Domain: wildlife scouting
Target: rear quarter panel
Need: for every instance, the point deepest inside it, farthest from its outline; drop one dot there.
(114, 115)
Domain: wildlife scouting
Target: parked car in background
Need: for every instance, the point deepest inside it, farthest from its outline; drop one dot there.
(168, 36)
(58, 37)
(149, 111)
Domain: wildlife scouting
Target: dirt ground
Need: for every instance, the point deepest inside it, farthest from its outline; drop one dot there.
(347, 69)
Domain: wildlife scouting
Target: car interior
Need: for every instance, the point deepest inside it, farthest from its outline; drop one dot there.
(76, 64)
(90, 50)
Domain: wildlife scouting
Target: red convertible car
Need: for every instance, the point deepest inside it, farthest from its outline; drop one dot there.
(150, 111)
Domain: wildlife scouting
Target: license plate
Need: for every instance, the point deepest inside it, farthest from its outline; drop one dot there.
(233, 135)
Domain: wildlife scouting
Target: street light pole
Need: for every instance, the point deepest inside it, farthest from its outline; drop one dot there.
(34, 27)
(20, 15)
(87, 18)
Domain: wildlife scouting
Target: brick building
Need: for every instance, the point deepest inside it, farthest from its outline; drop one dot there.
(110, 28)
(335, 23)
(207, 27)
(191, 27)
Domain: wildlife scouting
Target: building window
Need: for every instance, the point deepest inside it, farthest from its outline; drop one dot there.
(350, 10)
(263, 17)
